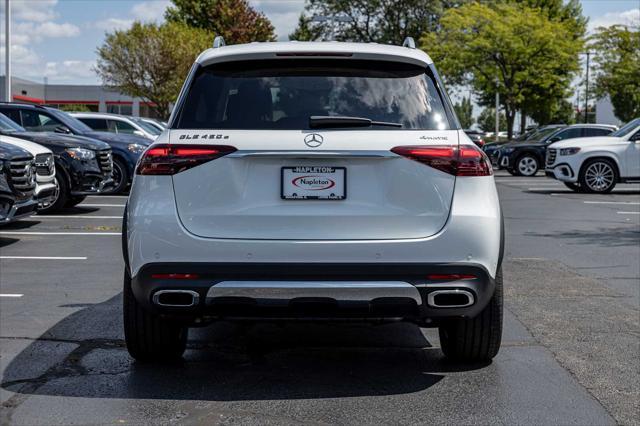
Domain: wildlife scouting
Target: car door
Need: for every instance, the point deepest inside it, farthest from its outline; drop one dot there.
(633, 156)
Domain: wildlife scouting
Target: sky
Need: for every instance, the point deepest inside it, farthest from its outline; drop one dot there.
(57, 39)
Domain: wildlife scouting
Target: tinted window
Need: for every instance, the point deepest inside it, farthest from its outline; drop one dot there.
(123, 127)
(39, 122)
(596, 132)
(284, 94)
(99, 124)
(13, 114)
(574, 132)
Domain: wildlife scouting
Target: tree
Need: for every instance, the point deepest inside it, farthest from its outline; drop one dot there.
(464, 111)
(617, 58)
(509, 47)
(74, 108)
(381, 21)
(235, 20)
(151, 61)
(487, 120)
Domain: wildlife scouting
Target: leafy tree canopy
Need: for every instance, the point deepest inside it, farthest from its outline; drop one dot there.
(487, 120)
(505, 46)
(381, 21)
(235, 20)
(617, 58)
(151, 61)
(464, 111)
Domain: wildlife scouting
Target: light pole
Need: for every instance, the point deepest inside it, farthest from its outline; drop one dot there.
(497, 110)
(7, 50)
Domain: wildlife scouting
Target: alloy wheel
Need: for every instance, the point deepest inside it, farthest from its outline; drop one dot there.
(527, 166)
(599, 176)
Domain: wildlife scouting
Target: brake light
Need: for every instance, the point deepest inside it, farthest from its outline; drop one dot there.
(450, 277)
(460, 160)
(169, 159)
(175, 276)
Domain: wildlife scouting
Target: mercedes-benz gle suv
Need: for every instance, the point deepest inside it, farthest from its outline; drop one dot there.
(313, 181)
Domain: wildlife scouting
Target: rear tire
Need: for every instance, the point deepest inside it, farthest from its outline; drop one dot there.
(148, 337)
(475, 339)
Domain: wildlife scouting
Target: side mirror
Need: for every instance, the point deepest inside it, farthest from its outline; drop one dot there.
(554, 139)
(62, 129)
(138, 133)
(635, 137)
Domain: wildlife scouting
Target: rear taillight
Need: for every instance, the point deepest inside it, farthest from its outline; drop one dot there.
(462, 160)
(169, 159)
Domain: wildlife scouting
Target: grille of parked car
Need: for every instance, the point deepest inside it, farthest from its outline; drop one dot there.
(105, 161)
(23, 175)
(45, 165)
(551, 155)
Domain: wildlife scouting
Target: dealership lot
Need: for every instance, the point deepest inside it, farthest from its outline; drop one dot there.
(569, 350)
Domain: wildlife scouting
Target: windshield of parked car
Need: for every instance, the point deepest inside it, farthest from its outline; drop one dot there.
(284, 94)
(540, 134)
(9, 126)
(70, 121)
(626, 129)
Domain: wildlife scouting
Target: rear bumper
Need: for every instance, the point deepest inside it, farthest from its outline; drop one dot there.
(313, 291)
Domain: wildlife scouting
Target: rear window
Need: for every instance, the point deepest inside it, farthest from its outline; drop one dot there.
(283, 94)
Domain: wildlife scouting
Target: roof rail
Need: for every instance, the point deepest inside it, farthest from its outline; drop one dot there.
(409, 42)
(218, 42)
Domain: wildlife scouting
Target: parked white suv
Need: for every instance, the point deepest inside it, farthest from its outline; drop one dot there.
(313, 181)
(45, 170)
(597, 164)
(114, 123)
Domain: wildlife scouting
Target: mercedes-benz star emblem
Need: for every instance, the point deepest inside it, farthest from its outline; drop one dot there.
(313, 140)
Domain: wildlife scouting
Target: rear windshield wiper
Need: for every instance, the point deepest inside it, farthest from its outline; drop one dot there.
(338, 121)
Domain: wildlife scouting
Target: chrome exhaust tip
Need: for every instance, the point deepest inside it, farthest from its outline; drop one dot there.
(453, 298)
(176, 298)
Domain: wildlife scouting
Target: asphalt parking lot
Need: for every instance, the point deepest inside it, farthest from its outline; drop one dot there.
(570, 351)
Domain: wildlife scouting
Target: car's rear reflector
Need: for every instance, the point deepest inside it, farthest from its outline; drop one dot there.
(457, 160)
(450, 277)
(175, 276)
(169, 159)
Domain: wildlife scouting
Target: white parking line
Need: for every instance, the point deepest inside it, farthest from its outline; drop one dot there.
(11, 295)
(613, 202)
(628, 212)
(105, 196)
(59, 233)
(43, 257)
(38, 216)
(100, 205)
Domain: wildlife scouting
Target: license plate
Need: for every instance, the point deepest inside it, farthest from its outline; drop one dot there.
(314, 183)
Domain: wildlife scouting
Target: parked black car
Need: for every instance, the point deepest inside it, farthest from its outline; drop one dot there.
(491, 149)
(17, 183)
(524, 158)
(476, 136)
(83, 166)
(126, 148)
